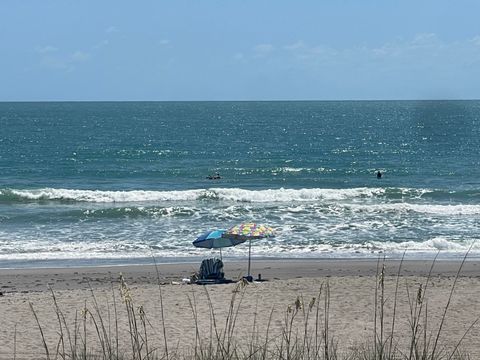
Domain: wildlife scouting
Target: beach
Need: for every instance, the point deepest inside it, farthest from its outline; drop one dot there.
(326, 152)
(260, 305)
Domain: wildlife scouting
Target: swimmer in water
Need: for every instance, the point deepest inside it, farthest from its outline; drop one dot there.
(214, 177)
(379, 174)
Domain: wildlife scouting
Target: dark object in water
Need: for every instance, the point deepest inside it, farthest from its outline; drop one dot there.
(214, 177)
(379, 175)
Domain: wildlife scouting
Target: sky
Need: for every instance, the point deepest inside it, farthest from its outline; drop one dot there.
(239, 50)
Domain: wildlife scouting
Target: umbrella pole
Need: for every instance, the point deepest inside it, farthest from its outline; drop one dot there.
(221, 254)
(249, 253)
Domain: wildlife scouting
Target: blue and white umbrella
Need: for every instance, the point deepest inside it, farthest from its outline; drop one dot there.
(213, 240)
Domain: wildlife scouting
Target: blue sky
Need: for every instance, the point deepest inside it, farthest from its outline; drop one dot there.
(239, 50)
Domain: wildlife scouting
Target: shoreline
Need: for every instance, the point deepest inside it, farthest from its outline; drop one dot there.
(61, 263)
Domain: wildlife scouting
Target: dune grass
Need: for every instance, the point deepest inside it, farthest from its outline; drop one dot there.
(306, 332)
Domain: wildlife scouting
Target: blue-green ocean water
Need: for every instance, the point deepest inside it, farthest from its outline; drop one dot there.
(119, 182)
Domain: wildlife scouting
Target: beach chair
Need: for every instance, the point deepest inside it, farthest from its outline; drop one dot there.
(211, 272)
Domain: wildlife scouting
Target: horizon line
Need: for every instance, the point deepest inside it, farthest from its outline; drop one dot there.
(271, 100)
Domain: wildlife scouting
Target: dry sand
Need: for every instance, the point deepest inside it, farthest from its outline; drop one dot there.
(352, 295)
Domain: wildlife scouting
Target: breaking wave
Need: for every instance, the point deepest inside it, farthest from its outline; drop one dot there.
(236, 195)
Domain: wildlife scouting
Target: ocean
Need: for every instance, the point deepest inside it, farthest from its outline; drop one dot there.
(105, 183)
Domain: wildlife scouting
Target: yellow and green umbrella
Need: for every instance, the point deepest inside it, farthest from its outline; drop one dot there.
(249, 231)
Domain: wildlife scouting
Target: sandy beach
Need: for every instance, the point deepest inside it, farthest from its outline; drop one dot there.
(351, 315)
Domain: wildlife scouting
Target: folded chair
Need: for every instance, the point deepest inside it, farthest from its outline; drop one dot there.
(211, 272)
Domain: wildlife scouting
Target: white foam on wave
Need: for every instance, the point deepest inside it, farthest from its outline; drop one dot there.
(24, 250)
(447, 247)
(288, 195)
(336, 200)
(17, 249)
(418, 208)
(232, 194)
(288, 169)
(107, 196)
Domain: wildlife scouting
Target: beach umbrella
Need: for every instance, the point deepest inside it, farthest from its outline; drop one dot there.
(213, 240)
(249, 231)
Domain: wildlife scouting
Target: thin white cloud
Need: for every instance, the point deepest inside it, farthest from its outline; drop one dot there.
(323, 51)
(391, 49)
(263, 48)
(421, 46)
(101, 44)
(295, 46)
(164, 42)
(424, 53)
(304, 52)
(476, 40)
(239, 56)
(111, 29)
(80, 56)
(46, 49)
(56, 63)
(425, 39)
(63, 61)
